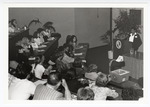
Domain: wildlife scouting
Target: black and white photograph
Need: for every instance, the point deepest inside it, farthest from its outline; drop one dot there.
(75, 52)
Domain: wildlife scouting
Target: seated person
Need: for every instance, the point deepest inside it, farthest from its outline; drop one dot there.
(130, 94)
(38, 68)
(47, 31)
(38, 36)
(20, 88)
(49, 91)
(64, 61)
(92, 72)
(49, 25)
(85, 94)
(101, 92)
(13, 27)
(72, 40)
(68, 50)
(33, 44)
(21, 52)
(35, 80)
(24, 46)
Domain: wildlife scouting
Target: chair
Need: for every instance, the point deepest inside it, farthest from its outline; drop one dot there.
(113, 65)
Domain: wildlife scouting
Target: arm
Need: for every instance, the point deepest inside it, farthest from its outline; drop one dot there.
(112, 93)
(67, 91)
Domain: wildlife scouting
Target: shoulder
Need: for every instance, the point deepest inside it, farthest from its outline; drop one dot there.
(39, 66)
(29, 82)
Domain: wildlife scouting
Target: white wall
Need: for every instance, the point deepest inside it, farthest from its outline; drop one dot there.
(91, 23)
(87, 23)
(63, 19)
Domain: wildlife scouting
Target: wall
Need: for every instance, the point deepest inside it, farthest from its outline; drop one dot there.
(90, 24)
(63, 19)
(115, 14)
(87, 23)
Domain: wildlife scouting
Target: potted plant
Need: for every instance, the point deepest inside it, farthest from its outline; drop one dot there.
(123, 24)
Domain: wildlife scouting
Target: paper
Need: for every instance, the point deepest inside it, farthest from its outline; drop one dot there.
(42, 46)
(51, 38)
(41, 50)
(119, 59)
(32, 58)
(76, 54)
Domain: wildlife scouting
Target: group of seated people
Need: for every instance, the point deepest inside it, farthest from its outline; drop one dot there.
(47, 80)
(25, 85)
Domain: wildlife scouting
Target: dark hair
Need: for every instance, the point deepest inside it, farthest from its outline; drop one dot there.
(99, 81)
(38, 59)
(68, 39)
(85, 94)
(69, 46)
(92, 68)
(129, 94)
(23, 70)
(73, 36)
(39, 30)
(134, 28)
(12, 22)
(54, 78)
(48, 24)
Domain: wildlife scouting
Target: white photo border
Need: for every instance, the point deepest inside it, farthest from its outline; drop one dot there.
(4, 56)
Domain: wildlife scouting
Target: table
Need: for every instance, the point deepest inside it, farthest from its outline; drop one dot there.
(134, 64)
(83, 50)
(13, 39)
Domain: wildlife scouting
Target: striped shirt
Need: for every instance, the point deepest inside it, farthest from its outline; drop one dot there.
(43, 92)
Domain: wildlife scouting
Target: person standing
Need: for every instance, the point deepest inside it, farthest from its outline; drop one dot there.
(135, 41)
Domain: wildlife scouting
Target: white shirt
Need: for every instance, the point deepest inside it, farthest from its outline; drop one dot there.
(37, 41)
(11, 30)
(40, 82)
(34, 46)
(20, 89)
(39, 70)
(131, 38)
(101, 93)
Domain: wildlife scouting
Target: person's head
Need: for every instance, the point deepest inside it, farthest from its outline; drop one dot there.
(32, 40)
(133, 30)
(40, 32)
(85, 94)
(25, 40)
(74, 39)
(102, 79)
(67, 48)
(23, 70)
(129, 94)
(13, 22)
(54, 79)
(47, 24)
(39, 59)
(68, 39)
(92, 68)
